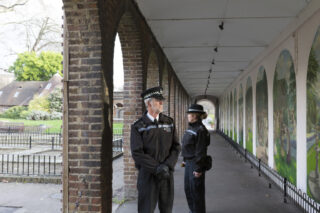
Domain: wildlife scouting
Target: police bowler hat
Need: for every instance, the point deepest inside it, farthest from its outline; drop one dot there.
(154, 92)
(196, 108)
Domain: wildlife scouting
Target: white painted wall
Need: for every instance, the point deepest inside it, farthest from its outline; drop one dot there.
(297, 38)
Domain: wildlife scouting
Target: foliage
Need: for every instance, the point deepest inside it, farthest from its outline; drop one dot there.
(13, 112)
(38, 115)
(313, 116)
(285, 169)
(39, 103)
(32, 67)
(55, 100)
(284, 100)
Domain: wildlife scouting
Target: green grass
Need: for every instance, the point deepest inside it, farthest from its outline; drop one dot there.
(311, 162)
(54, 125)
(285, 169)
(249, 143)
(241, 139)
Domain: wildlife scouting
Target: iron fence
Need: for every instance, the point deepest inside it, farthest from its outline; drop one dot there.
(28, 139)
(290, 192)
(30, 165)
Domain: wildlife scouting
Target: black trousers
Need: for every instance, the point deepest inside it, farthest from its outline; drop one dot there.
(194, 189)
(152, 191)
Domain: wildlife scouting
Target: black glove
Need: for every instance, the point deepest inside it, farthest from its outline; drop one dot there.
(162, 172)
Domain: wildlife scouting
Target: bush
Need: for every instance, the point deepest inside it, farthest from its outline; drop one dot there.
(56, 116)
(14, 112)
(24, 114)
(38, 115)
(39, 104)
(55, 100)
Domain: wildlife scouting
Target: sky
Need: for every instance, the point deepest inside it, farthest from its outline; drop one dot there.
(13, 33)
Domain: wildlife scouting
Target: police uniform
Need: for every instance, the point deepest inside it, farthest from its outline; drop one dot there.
(194, 151)
(155, 150)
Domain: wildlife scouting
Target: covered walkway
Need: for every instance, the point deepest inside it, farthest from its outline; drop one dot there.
(231, 186)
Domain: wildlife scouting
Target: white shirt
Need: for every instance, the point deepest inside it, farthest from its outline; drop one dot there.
(152, 118)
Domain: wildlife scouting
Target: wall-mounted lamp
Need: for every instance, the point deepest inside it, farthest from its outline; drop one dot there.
(221, 26)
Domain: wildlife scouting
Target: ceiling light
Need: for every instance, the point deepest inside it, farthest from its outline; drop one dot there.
(216, 49)
(212, 62)
(221, 26)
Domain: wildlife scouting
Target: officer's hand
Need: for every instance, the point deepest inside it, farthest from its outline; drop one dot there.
(163, 172)
(197, 174)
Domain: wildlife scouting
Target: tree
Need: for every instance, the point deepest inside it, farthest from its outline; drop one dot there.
(9, 6)
(42, 33)
(32, 67)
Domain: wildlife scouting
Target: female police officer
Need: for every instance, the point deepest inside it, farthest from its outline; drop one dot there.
(194, 151)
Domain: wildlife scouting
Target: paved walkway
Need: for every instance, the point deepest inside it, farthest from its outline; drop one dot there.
(231, 186)
(30, 198)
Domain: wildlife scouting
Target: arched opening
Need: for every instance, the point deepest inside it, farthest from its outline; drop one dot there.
(118, 120)
(209, 107)
(249, 113)
(235, 115)
(240, 103)
(313, 112)
(284, 117)
(153, 73)
(131, 45)
(262, 115)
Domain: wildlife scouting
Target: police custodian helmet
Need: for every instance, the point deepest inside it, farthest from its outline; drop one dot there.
(196, 108)
(154, 92)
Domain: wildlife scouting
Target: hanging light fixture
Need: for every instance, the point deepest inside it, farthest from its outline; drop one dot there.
(216, 49)
(221, 26)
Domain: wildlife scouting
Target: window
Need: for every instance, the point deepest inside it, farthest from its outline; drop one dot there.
(16, 94)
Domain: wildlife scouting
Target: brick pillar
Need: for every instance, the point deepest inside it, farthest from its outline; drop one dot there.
(176, 113)
(133, 85)
(153, 70)
(85, 109)
(172, 98)
(165, 85)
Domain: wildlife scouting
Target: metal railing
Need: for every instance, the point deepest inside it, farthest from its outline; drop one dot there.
(28, 140)
(30, 165)
(290, 192)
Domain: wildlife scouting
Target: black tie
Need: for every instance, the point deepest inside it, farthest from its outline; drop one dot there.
(156, 122)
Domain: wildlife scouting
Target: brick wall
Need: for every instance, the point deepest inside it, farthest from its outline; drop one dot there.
(165, 85)
(153, 71)
(92, 26)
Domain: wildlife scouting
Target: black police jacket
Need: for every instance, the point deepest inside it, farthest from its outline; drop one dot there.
(195, 141)
(153, 144)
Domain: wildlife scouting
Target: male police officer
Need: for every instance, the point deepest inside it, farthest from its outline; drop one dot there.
(155, 150)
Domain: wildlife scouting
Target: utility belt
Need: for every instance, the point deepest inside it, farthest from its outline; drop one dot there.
(189, 158)
(206, 161)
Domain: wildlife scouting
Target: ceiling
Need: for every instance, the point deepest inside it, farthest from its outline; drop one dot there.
(188, 31)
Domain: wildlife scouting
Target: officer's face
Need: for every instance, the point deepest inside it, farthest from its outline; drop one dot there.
(156, 105)
(192, 117)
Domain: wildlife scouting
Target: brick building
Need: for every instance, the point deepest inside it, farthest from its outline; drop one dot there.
(215, 47)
